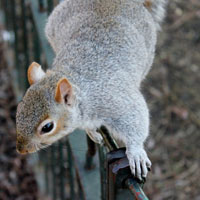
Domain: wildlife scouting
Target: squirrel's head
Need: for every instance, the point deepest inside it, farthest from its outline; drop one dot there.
(47, 112)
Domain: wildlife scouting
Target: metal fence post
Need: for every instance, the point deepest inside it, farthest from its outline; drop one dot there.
(53, 170)
(16, 42)
(25, 41)
(102, 163)
(49, 6)
(36, 45)
(90, 154)
(61, 172)
(71, 171)
(46, 166)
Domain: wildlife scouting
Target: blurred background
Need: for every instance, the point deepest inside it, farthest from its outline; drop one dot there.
(172, 90)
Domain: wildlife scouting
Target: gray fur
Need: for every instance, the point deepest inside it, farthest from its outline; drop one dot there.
(104, 48)
(158, 11)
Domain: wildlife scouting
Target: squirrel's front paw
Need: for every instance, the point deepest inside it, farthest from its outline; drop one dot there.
(139, 162)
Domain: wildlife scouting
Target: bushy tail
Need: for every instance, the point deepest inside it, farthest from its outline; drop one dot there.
(157, 8)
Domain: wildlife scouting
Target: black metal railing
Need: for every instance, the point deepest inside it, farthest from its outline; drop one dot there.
(68, 169)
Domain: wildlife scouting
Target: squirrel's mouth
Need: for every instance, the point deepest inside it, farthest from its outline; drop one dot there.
(25, 149)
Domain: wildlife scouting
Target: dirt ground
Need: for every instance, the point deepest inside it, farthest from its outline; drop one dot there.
(173, 93)
(172, 90)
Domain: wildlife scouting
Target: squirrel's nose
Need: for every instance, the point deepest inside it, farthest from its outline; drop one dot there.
(20, 149)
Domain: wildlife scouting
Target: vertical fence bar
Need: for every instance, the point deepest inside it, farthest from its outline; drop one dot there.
(53, 170)
(46, 171)
(80, 191)
(62, 174)
(49, 6)
(36, 45)
(71, 171)
(102, 156)
(90, 154)
(15, 29)
(5, 7)
(41, 5)
(25, 41)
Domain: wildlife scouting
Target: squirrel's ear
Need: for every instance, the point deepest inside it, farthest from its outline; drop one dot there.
(35, 73)
(64, 92)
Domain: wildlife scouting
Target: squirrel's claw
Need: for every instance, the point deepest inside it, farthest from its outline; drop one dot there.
(139, 163)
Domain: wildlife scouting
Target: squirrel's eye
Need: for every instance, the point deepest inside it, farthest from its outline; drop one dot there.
(47, 128)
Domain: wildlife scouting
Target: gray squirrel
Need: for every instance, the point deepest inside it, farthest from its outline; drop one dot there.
(104, 49)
